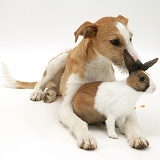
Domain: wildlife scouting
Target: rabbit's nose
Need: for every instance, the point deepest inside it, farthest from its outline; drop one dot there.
(154, 88)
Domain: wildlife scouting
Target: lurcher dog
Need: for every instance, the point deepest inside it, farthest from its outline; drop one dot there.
(102, 45)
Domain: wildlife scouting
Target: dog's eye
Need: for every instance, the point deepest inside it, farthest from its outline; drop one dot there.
(115, 42)
(142, 79)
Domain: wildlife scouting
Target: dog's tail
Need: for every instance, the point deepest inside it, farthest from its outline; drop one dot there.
(10, 81)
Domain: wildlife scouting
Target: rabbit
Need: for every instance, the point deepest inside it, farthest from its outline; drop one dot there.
(114, 101)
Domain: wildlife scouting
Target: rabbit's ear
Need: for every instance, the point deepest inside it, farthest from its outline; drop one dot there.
(149, 64)
(129, 62)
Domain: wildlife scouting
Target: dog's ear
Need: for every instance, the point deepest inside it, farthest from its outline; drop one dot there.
(123, 20)
(87, 30)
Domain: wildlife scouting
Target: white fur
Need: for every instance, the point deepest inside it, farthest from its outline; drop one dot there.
(99, 69)
(115, 100)
(7, 77)
(127, 35)
(152, 86)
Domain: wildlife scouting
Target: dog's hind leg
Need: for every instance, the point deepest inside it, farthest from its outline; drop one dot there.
(54, 66)
(52, 92)
(50, 95)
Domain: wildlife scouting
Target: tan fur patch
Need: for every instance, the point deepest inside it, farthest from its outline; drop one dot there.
(133, 81)
(27, 85)
(84, 103)
(123, 20)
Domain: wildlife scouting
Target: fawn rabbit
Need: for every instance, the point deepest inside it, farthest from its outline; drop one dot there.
(114, 101)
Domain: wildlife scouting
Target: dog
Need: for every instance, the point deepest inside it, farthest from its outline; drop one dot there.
(91, 60)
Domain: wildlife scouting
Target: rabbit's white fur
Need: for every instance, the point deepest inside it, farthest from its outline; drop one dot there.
(116, 100)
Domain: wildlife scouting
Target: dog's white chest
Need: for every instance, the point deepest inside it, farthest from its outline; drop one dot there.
(99, 69)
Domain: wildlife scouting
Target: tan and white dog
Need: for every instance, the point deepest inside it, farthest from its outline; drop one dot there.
(103, 45)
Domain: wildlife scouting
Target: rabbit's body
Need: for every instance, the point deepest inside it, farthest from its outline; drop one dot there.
(116, 98)
(96, 102)
(114, 101)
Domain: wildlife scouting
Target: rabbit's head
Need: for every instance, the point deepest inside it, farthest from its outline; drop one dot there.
(138, 79)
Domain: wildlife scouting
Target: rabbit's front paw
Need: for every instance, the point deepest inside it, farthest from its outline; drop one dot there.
(112, 135)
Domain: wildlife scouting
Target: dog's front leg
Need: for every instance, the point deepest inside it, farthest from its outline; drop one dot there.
(38, 93)
(67, 116)
(135, 138)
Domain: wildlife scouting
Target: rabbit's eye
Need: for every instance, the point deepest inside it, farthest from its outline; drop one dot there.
(130, 39)
(115, 42)
(142, 79)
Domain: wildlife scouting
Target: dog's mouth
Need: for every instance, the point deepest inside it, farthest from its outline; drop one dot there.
(121, 67)
(119, 62)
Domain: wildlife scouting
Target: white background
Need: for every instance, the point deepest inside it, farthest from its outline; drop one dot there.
(34, 31)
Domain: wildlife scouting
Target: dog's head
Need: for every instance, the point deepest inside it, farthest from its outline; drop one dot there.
(109, 37)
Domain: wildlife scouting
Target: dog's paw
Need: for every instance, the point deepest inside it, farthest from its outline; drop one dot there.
(87, 142)
(50, 96)
(113, 135)
(138, 142)
(37, 96)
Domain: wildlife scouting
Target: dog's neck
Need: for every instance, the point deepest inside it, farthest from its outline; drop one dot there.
(100, 69)
(92, 66)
